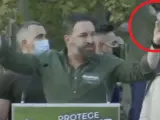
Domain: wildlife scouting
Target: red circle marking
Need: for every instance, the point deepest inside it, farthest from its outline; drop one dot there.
(130, 25)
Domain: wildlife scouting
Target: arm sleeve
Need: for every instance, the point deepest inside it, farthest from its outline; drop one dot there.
(129, 72)
(6, 81)
(18, 62)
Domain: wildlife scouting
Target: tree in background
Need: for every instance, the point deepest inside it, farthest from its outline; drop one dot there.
(51, 13)
(8, 12)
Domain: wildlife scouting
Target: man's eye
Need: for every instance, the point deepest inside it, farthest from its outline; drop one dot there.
(40, 36)
(114, 43)
(101, 44)
(83, 35)
(93, 33)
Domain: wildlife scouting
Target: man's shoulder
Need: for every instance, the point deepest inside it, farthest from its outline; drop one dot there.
(153, 84)
(107, 62)
(48, 53)
(52, 57)
(46, 56)
(7, 79)
(8, 76)
(5, 73)
(112, 59)
(10, 82)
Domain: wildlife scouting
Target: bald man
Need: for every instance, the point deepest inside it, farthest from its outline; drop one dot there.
(17, 88)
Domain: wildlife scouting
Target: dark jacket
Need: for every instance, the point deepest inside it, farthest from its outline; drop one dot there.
(87, 84)
(16, 88)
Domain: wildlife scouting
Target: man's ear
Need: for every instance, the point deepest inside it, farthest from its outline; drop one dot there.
(24, 42)
(66, 38)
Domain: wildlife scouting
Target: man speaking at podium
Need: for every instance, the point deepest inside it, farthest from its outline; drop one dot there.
(76, 74)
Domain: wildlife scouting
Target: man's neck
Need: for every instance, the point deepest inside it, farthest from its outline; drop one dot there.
(24, 51)
(76, 61)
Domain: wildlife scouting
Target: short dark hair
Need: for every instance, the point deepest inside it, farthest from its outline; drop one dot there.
(23, 29)
(29, 23)
(105, 28)
(73, 18)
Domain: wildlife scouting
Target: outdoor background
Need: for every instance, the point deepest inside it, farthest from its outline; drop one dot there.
(51, 13)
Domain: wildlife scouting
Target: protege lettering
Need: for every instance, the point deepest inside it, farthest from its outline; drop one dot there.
(80, 116)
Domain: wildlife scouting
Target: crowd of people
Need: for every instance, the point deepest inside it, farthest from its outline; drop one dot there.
(89, 69)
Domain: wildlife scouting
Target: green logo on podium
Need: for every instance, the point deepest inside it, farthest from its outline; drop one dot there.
(65, 111)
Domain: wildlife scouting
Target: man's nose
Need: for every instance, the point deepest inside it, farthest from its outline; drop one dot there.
(90, 39)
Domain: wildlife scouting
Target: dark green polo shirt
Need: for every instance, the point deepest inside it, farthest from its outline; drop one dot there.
(88, 84)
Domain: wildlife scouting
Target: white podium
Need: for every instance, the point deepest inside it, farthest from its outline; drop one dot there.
(66, 111)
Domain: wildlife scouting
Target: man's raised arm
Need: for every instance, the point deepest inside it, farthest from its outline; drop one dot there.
(18, 62)
(145, 70)
(153, 58)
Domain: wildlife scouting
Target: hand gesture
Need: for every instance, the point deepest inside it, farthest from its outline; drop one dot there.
(156, 35)
(72, 48)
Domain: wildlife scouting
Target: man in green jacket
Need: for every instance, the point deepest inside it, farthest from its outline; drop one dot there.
(76, 74)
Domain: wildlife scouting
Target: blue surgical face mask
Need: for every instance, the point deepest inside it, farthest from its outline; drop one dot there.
(41, 46)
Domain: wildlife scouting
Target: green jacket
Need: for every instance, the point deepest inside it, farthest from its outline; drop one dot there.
(88, 84)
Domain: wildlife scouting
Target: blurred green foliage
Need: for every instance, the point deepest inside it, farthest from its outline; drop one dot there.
(51, 14)
(8, 11)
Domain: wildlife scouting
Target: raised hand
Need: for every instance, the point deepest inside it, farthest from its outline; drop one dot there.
(156, 35)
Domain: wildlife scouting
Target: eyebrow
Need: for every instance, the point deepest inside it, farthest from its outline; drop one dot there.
(87, 32)
(39, 35)
(83, 33)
